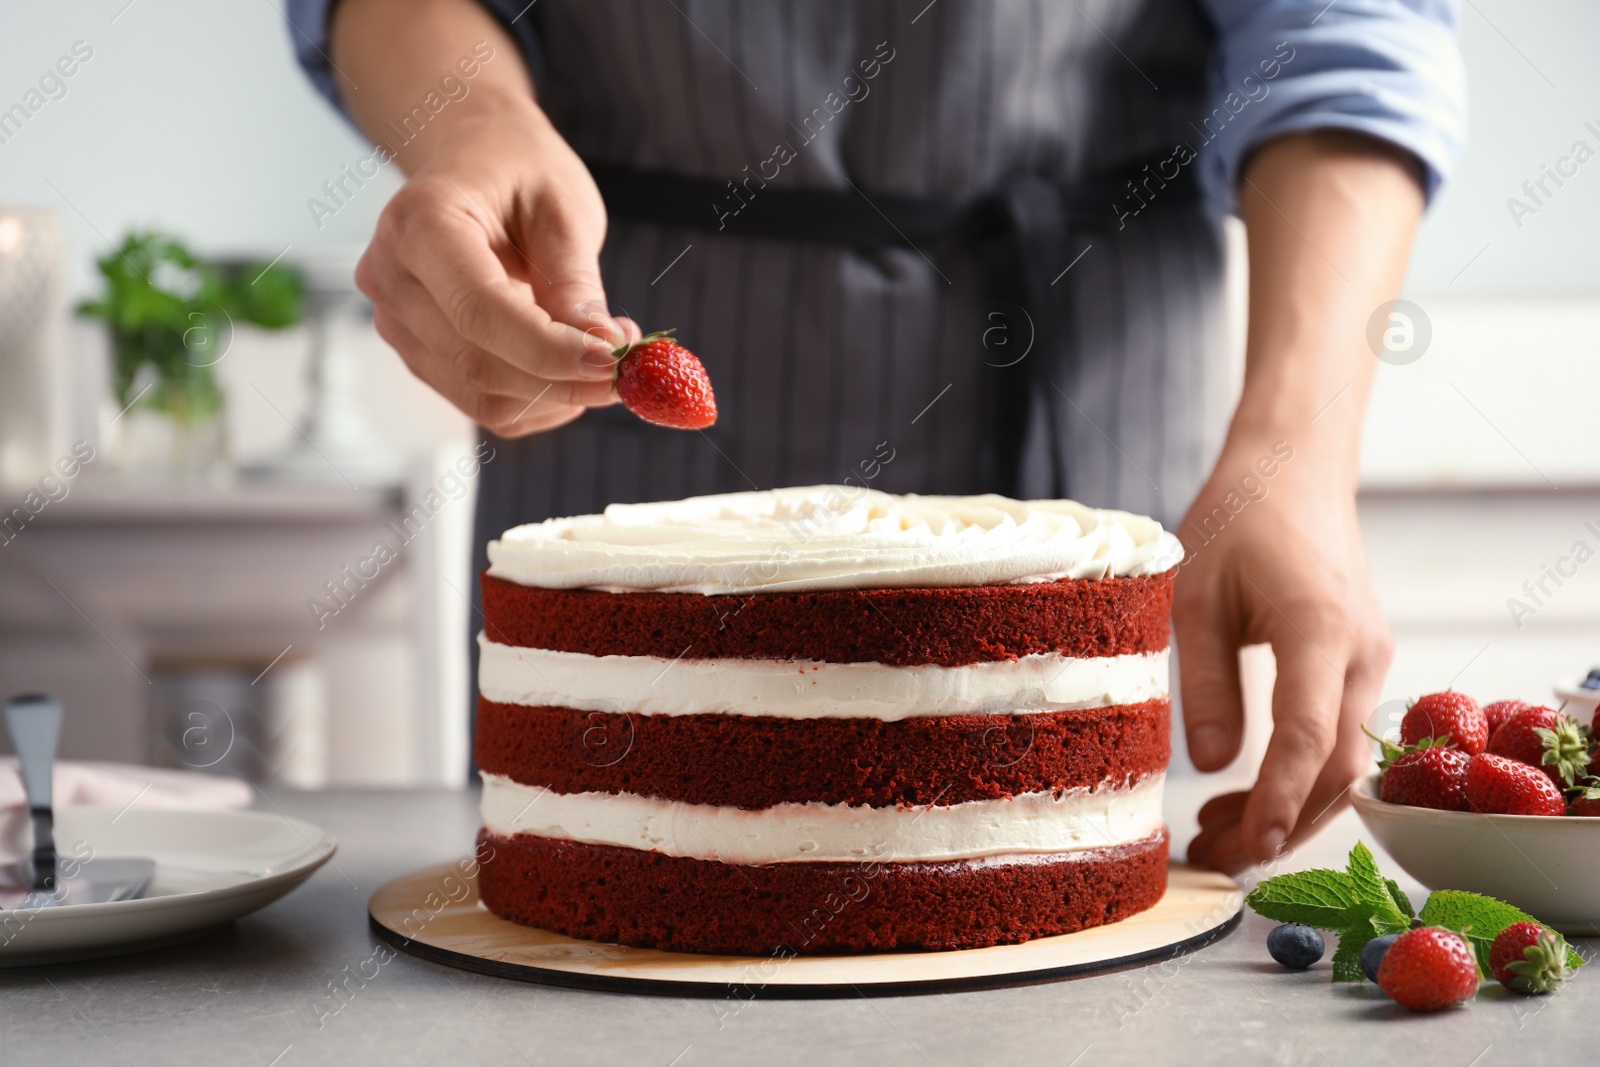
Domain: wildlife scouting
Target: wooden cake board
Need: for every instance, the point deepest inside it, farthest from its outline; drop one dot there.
(434, 913)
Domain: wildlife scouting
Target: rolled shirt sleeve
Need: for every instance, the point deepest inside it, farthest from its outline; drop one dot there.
(1386, 68)
(308, 30)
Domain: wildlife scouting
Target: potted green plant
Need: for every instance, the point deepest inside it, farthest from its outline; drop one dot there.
(171, 316)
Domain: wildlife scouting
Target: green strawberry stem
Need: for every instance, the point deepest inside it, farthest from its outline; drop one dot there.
(1543, 967)
(1389, 751)
(622, 350)
(1565, 749)
(1587, 787)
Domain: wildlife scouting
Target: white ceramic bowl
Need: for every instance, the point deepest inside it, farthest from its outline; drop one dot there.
(1547, 865)
(1578, 702)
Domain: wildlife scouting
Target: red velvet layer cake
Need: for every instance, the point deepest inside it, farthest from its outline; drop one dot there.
(825, 720)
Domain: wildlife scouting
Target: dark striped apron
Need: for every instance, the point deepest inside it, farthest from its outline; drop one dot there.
(1007, 176)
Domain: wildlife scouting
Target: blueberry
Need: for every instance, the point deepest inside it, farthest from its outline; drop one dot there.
(1372, 955)
(1593, 681)
(1295, 946)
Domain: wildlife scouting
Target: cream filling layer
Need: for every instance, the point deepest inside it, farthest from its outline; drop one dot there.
(1028, 824)
(806, 689)
(830, 537)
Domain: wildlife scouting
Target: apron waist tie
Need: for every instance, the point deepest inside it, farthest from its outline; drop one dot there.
(1024, 232)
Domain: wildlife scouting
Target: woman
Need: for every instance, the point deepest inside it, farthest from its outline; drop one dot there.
(951, 247)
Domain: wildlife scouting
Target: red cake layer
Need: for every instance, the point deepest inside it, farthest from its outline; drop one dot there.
(629, 897)
(950, 627)
(752, 761)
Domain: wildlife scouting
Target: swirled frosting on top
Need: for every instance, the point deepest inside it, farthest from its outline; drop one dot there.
(830, 537)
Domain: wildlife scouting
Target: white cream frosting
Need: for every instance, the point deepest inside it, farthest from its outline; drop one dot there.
(806, 689)
(1028, 824)
(830, 537)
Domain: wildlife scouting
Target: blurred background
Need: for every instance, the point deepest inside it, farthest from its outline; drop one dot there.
(185, 478)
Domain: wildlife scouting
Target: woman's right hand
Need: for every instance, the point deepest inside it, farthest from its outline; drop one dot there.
(484, 272)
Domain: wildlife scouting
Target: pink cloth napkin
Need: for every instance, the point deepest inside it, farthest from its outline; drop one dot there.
(115, 784)
(112, 785)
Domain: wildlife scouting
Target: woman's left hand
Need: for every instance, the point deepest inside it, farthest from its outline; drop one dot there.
(1330, 218)
(1274, 556)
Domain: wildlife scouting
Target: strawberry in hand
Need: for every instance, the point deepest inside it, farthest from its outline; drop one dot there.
(662, 382)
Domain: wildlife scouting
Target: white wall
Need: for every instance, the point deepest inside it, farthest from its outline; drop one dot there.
(1503, 398)
(191, 115)
(1534, 84)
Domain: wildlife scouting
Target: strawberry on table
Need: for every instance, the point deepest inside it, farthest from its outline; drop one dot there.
(1428, 969)
(1528, 958)
(1450, 715)
(1497, 785)
(1547, 739)
(1500, 712)
(1428, 778)
(662, 382)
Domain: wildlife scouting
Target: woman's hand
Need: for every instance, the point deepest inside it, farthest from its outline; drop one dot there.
(484, 274)
(1274, 556)
(1275, 549)
(484, 271)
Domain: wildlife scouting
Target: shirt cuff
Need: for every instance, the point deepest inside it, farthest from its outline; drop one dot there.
(308, 32)
(1389, 70)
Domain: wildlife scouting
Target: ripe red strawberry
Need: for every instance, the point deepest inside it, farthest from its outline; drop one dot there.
(1500, 712)
(1584, 798)
(1428, 778)
(1528, 958)
(1448, 714)
(1500, 786)
(1428, 968)
(1584, 806)
(1544, 738)
(662, 382)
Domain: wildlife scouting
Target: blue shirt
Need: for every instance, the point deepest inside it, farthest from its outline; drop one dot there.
(1389, 69)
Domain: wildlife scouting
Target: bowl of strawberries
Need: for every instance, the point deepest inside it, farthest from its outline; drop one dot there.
(1502, 799)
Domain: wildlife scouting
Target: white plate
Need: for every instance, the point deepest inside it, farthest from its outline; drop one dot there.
(211, 868)
(1547, 865)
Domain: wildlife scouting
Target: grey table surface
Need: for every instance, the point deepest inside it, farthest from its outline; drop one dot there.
(261, 992)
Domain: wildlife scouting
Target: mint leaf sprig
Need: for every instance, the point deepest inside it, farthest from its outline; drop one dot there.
(1358, 904)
